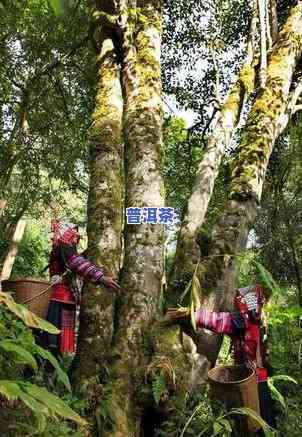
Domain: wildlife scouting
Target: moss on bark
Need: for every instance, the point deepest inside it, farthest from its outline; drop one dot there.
(188, 249)
(143, 247)
(143, 262)
(104, 214)
(263, 122)
(230, 233)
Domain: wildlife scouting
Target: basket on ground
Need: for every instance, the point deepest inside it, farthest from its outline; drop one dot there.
(235, 387)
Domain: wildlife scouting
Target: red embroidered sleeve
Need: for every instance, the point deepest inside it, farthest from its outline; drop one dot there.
(80, 265)
(221, 322)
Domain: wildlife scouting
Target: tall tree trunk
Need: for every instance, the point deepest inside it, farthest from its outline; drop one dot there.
(121, 340)
(13, 249)
(264, 123)
(187, 250)
(273, 19)
(104, 214)
(2, 206)
(143, 263)
(263, 42)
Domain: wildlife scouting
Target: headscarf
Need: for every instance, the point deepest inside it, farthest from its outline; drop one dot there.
(250, 299)
(64, 233)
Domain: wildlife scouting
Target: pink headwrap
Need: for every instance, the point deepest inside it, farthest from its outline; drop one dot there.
(66, 233)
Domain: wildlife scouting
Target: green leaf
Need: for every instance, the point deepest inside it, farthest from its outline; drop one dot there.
(267, 278)
(186, 291)
(33, 404)
(199, 407)
(217, 428)
(40, 401)
(41, 423)
(276, 394)
(57, 6)
(158, 387)
(56, 406)
(10, 389)
(283, 378)
(29, 318)
(47, 355)
(196, 290)
(26, 357)
(193, 318)
(253, 415)
(203, 431)
(226, 424)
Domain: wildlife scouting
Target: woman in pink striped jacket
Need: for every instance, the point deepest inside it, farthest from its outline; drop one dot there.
(247, 335)
(64, 265)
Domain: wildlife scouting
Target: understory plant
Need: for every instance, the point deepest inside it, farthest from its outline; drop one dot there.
(31, 378)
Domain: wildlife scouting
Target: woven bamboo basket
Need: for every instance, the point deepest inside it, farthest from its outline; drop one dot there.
(235, 387)
(35, 293)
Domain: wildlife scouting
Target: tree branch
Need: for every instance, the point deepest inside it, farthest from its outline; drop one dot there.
(263, 54)
(268, 26)
(273, 19)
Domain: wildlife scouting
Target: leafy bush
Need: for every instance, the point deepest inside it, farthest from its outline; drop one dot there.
(23, 379)
(33, 252)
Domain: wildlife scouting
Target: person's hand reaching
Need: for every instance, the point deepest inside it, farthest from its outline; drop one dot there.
(176, 316)
(110, 283)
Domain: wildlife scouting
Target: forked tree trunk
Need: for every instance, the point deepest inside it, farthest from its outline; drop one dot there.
(136, 35)
(187, 250)
(264, 124)
(143, 262)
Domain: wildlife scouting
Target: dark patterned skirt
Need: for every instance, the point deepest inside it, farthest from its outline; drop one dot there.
(63, 317)
(266, 404)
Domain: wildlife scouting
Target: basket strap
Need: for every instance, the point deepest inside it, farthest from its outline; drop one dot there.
(30, 299)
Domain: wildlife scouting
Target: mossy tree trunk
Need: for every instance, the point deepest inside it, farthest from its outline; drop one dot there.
(104, 213)
(138, 33)
(225, 123)
(264, 124)
(143, 262)
(129, 111)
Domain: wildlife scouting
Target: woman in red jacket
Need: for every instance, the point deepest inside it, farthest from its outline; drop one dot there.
(247, 336)
(66, 265)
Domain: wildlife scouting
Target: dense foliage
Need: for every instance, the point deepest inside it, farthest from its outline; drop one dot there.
(29, 387)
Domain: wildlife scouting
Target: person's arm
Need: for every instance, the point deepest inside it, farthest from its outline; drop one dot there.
(82, 267)
(220, 322)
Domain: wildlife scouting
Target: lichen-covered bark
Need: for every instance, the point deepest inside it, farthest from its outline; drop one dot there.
(143, 262)
(263, 41)
(104, 214)
(187, 251)
(2, 206)
(263, 124)
(273, 19)
(265, 121)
